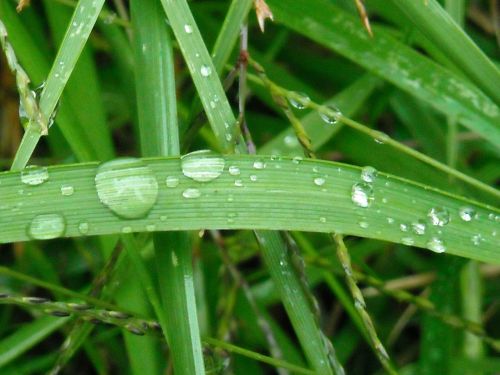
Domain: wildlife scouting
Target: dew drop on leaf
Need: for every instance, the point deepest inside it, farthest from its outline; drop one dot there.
(205, 70)
(34, 175)
(171, 181)
(362, 194)
(191, 193)
(127, 186)
(67, 190)
(467, 213)
(437, 245)
(368, 174)
(234, 170)
(319, 181)
(202, 165)
(47, 226)
(439, 216)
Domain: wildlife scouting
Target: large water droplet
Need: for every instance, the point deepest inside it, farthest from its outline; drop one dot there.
(368, 174)
(330, 114)
(362, 194)
(47, 226)
(203, 165)
(191, 193)
(299, 100)
(467, 213)
(205, 70)
(259, 164)
(34, 175)
(127, 187)
(439, 216)
(437, 245)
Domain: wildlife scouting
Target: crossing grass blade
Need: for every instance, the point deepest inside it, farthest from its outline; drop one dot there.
(394, 61)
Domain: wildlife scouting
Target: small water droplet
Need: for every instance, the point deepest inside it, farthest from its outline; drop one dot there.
(172, 181)
(205, 70)
(203, 165)
(127, 187)
(83, 227)
(127, 229)
(291, 141)
(362, 194)
(297, 159)
(419, 227)
(188, 28)
(437, 245)
(404, 227)
(259, 164)
(439, 216)
(407, 241)
(330, 114)
(175, 260)
(380, 137)
(363, 224)
(299, 100)
(476, 239)
(368, 174)
(67, 190)
(34, 175)
(234, 170)
(253, 177)
(150, 227)
(390, 220)
(319, 181)
(238, 183)
(467, 213)
(47, 226)
(322, 219)
(191, 193)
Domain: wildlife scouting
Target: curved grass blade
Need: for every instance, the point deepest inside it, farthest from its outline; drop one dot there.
(393, 61)
(288, 194)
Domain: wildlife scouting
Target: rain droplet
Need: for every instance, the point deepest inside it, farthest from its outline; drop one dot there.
(330, 114)
(188, 28)
(322, 219)
(83, 227)
(203, 165)
(403, 227)
(259, 164)
(439, 216)
(253, 177)
(234, 170)
(476, 239)
(467, 213)
(368, 174)
(238, 183)
(205, 70)
(34, 175)
(390, 220)
(418, 227)
(319, 181)
(363, 224)
(299, 100)
(407, 241)
(67, 190)
(437, 245)
(127, 187)
(297, 159)
(291, 141)
(47, 226)
(362, 194)
(172, 181)
(191, 193)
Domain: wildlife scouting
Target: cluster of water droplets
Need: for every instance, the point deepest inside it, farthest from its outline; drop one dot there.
(330, 113)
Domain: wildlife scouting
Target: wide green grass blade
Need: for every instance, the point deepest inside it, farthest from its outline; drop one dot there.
(283, 197)
(435, 23)
(393, 61)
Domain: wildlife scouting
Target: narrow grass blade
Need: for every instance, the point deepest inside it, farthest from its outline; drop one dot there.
(393, 61)
(79, 29)
(433, 21)
(157, 111)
